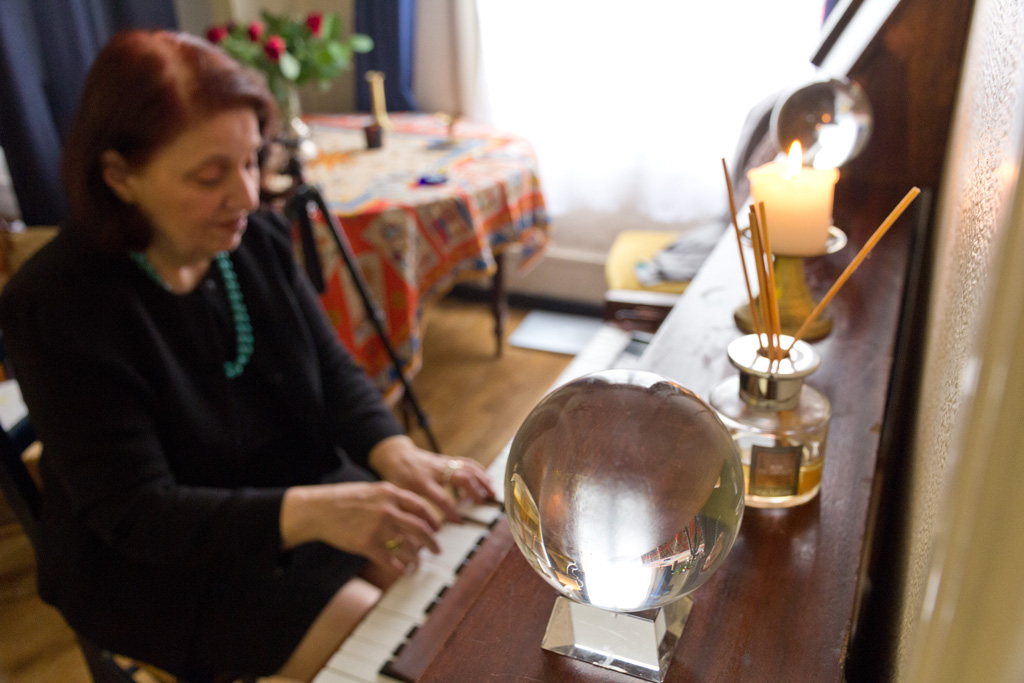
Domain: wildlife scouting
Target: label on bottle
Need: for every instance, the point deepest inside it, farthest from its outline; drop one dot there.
(774, 470)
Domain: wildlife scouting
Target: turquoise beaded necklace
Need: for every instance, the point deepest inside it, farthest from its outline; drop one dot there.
(244, 339)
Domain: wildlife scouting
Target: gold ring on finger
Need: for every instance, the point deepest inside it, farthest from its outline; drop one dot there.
(394, 543)
(450, 468)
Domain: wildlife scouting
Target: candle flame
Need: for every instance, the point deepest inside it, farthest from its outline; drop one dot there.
(795, 160)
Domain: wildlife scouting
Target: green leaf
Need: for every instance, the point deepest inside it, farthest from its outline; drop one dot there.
(244, 51)
(328, 73)
(361, 43)
(331, 27)
(323, 57)
(308, 57)
(273, 22)
(290, 67)
(340, 54)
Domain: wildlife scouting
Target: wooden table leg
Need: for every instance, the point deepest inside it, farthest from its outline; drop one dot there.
(499, 302)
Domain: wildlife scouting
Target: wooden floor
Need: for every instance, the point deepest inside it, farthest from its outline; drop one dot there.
(474, 399)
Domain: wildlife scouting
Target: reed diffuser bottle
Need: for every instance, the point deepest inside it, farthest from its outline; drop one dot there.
(779, 423)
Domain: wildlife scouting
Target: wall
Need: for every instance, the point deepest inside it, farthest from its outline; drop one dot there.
(975, 219)
(574, 265)
(193, 17)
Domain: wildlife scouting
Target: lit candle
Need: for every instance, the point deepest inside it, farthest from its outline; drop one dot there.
(797, 202)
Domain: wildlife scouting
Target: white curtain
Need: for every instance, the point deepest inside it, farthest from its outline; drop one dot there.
(630, 106)
(446, 60)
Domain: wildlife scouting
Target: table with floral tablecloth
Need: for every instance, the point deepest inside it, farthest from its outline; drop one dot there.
(421, 212)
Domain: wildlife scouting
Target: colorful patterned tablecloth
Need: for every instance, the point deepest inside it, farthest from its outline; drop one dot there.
(414, 241)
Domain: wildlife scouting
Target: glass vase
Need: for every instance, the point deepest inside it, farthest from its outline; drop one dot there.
(292, 125)
(779, 424)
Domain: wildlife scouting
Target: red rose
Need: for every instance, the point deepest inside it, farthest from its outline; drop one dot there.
(255, 31)
(274, 47)
(216, 34)
(315, 22)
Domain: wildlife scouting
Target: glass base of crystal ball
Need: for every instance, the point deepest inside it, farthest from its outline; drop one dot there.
(641, 644)
(624, 490)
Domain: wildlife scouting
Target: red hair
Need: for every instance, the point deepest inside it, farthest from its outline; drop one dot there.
(143, 90)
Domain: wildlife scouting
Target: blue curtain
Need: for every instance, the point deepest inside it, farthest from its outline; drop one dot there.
(46, 48)
(391, 24)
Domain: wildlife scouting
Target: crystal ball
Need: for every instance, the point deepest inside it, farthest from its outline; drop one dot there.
(831, 118)
(624, 490)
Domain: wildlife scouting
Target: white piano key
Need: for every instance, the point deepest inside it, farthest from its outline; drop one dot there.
(412, 595)
(457, 541)
(331, 676)
(363, 650)
(481, 514)
(355, 668)
(429, 565)
(386, 629)
(461, 538)
(496, 471)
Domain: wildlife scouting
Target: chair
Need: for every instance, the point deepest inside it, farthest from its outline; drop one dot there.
(629, 303)
(25, 499)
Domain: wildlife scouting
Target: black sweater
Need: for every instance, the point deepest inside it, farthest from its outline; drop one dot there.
(163, 478)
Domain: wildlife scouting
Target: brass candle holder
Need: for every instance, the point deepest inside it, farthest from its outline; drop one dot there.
(377, 103)
(792, 293)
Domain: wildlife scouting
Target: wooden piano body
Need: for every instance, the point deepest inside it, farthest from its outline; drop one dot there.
(818, 592)
(409, 625)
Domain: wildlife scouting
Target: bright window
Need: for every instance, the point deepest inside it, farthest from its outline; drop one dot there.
(631, 106)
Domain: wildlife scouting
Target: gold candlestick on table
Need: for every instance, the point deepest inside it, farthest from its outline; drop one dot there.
(452, 120)
(793, 295)
(377, 103)
(448, 121)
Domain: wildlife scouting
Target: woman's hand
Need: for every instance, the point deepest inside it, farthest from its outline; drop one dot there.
(380, 521)
(400, 461)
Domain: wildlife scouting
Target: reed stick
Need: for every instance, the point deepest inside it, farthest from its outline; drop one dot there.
(755, 320)
(773, 301)
(861, 255)
(762, 277)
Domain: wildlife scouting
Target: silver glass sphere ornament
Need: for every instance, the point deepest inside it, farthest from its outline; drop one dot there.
(831, 118)
(624, 491)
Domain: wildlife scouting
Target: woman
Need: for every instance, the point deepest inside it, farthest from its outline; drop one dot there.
(218, 474)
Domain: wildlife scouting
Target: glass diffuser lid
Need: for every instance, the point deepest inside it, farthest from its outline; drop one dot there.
(773, 384)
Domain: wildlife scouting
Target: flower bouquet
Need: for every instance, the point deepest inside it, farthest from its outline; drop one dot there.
(290, 52)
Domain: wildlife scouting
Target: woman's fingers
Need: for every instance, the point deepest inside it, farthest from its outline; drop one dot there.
(405, 550)
(452, 480)
(386, 559)
(469, 480)
(415, 531)
(443, 481)
(414, 504)
(445, 502)
(401, 535)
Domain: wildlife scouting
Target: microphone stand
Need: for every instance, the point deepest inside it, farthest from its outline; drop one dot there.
(297, 209)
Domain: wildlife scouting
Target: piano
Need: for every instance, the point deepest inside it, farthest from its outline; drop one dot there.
(806, 594)
(369, 654)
